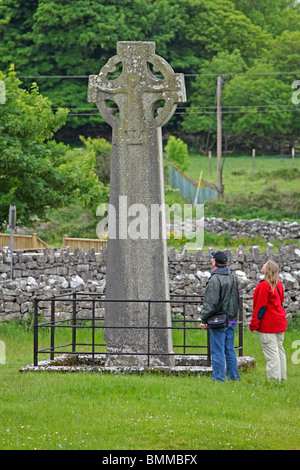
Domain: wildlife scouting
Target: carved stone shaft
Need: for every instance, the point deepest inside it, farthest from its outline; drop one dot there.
(137, 266)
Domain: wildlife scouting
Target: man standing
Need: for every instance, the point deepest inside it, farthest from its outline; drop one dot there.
(222, 295)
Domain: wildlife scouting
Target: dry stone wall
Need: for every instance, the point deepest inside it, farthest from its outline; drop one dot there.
(250, 228)
(189, 273)
(57, 271)
(266, 230)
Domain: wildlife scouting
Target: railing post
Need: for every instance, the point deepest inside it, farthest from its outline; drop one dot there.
(184, 334)
(34, 240)
(35, 333)
(65, 240)
(74, 324)
(208, 348)
(93, 333)
(148, 333)
(241, 329)
(52, 329)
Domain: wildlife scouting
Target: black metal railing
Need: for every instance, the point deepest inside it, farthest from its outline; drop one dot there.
(75, 322)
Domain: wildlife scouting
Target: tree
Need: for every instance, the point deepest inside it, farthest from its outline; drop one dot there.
(284, 53)
(16, 37)
(177, 151)
(63, 38)
(201, 116)
(79, 40)
(213, 26)
(101, 151)
(260, 106)
(35, 171)
(275, 16)
(257, 109)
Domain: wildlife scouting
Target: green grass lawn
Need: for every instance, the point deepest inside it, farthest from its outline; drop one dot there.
(238, 175)
(146, 412)
(270, 192)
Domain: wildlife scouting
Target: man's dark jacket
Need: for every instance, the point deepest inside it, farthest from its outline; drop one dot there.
(219, 297)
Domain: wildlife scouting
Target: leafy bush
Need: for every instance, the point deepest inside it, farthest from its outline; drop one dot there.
(101, 149)
(177, 151)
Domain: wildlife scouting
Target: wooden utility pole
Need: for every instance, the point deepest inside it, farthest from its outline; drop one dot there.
(219, 134)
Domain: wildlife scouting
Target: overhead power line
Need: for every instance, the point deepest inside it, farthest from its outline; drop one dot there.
(193, 107)
(225, 74)
(191, 111)
(202, 112)
(259, 97)
(240, 73)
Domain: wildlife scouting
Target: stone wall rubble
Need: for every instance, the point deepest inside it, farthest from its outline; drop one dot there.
(242, 228)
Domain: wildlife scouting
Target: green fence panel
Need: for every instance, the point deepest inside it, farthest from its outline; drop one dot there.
(188, 190)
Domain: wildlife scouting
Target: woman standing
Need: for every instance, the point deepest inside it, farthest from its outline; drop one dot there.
(269, 319)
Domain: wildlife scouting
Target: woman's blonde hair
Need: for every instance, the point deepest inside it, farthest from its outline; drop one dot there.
(272, 274)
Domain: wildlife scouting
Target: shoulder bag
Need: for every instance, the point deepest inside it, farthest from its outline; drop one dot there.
(220, 320)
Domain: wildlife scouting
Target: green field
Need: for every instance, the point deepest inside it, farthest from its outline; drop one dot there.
(270, 192)
(239, 177)
(153, 412)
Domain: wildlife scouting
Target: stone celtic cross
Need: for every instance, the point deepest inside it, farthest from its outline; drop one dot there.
(137, 267)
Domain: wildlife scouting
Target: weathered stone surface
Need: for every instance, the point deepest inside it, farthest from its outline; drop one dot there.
(245, 228)
(191, 365)
(289, 281)
(137, 267)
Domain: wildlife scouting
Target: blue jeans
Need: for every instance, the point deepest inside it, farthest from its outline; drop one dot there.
(223, 354)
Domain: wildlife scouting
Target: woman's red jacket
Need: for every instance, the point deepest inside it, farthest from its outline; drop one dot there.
(269, 316)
